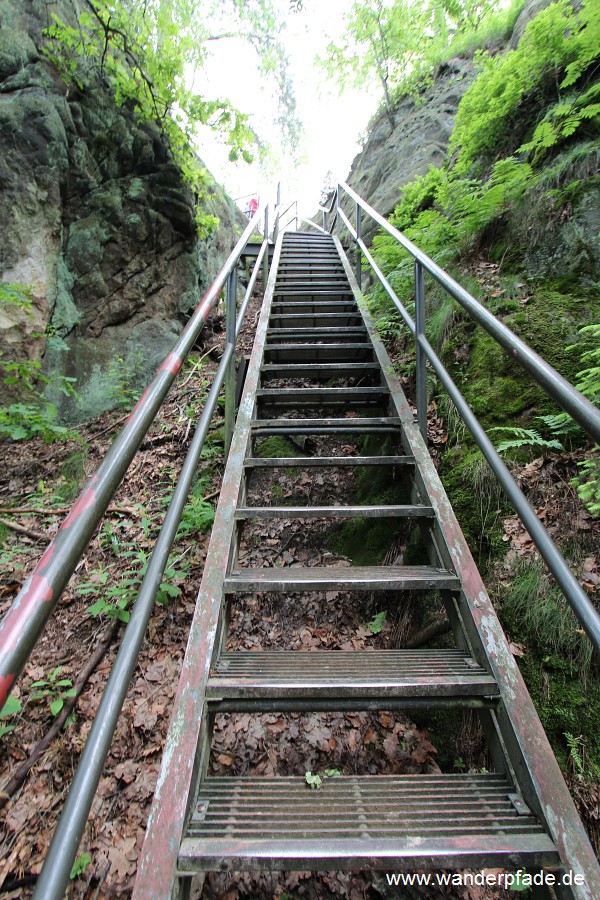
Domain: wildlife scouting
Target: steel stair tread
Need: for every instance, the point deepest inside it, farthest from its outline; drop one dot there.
(405, 511)
(434, 821)
(346, 673)
(371, 578)
(345, 331)
(348, 397)
(320, 461)
(326, 370)
(356, 425)
(325, 392)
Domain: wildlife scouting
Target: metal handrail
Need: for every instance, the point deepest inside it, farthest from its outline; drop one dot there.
(569, 398)
(27, 617)
(54, 876)
(294, 217)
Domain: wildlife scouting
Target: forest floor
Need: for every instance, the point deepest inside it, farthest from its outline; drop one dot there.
(37, 486)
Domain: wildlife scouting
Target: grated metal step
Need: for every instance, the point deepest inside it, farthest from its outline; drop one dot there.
(373, 822)
(349, 398)
(342, 674)
(354, 425)
(312, 334)
(313, 352)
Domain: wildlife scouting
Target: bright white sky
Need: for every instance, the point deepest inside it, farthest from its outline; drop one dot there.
(332, 123)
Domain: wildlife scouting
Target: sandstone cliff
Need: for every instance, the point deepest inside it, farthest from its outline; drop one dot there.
(95, 220)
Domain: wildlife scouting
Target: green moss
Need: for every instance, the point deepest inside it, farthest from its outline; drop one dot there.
(498, 389)
(477, 500)
(278, 447)
(72, 475)
(563, 705)
(137, 189)
(415, 551)
(364, 541)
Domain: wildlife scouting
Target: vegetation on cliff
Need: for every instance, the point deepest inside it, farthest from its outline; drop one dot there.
(153, 53)
(399, 45)
(513, 212)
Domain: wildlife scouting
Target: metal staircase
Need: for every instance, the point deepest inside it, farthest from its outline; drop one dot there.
(319, 373)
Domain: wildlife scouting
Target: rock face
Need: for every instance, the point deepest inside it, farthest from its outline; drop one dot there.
(95, 220)
(420, 140)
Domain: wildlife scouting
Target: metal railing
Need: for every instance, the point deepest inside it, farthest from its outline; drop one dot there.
(280, 213)
(29, 613)
(557, 387)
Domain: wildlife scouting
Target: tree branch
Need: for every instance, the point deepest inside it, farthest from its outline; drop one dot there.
(19, 776)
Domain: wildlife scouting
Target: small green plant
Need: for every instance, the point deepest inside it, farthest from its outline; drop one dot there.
(118, 597)
(54, 689)
(376, 624)
(198, 514)
(524, 437)
(19, 296)
(125, 376)
(31, 414)
(575, 746)
(522, 881)
(80, 865)
(315, 781)
(584, 768)
(10, 709)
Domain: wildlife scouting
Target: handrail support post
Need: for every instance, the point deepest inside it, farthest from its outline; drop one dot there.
(358, 253)
(421, 359)
(230, 375)
(337, 212)
(266, 257)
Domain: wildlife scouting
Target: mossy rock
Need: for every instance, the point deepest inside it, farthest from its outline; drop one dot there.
(363, 540)
(498, 389)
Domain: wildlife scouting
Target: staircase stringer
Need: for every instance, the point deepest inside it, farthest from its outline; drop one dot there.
(182, 756)
(520, 729)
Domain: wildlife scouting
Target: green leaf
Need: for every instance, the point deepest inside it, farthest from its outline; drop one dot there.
(80, 865)
(56, 706)
(97, 608)
(313, 781)
(377, 622)
(10, 708)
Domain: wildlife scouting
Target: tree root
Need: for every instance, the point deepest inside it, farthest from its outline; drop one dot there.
(19, 776)
(431, 631)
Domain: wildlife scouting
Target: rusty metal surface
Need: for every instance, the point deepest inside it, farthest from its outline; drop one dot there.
(526, 741)
(337, 461)
(334, 512)
(364, 822)
(372, 578)
(158, 859)
(338, 674)
(382, 822)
